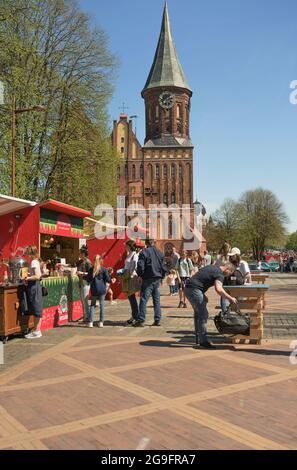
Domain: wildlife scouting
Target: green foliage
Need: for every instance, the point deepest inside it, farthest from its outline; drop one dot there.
(50, 55)
(254, 222)
(292, 242)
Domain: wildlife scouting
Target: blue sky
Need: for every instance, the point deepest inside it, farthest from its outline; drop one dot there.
(240, 57)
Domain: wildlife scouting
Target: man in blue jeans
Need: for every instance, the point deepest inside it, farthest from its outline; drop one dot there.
(152, 269)
(195, 290)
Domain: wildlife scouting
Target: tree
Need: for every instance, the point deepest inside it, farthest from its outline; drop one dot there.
(292, 242)
(254, 222)
(225, 225)
(263, 220)
(50, 55)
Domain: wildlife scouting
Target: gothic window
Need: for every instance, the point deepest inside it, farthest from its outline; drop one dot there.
(189, 171)
(165, 199)
(173, 197)
(170, 226)
(149, 173)
(167, 120)
(165, 172)
(141, 171)
(157, 112)
(133, 172)
(180, 171)
(149, 114)
(172, 170)
(157, 171)
(179, 127)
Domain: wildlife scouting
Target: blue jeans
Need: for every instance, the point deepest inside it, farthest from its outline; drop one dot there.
(93, 305)
(150, 287)
(84, 296)
(199, 303)
(134, 306)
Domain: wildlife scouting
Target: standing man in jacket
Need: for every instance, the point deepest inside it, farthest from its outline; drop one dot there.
(151, 268)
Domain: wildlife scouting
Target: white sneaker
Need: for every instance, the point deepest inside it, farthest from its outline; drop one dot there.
(90, 324)
(100, 324)
(33, 335)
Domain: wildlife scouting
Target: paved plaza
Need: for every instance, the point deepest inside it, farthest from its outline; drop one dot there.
(147, 388)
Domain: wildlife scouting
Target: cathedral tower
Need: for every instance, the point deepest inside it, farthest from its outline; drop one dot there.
(168, 150)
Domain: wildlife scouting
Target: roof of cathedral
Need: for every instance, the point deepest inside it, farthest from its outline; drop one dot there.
(168, 141)
(166, 69)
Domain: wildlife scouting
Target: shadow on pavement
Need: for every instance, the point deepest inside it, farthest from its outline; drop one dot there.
(187, 342)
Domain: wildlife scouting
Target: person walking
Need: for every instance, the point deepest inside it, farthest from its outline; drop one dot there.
(130, 268)
(32, 300)
(174, 259)
(97, 277)
(195, 291)
(184, 269)
(152, 269)
(83, 266)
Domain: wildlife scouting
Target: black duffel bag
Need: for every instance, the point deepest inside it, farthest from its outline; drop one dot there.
(233, 323)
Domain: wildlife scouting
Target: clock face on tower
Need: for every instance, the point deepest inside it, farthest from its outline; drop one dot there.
(167, 99)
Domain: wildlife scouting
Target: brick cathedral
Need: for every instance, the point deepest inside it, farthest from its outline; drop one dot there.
(160, 171)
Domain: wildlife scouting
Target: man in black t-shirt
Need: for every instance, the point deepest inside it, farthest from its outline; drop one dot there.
(195, 292)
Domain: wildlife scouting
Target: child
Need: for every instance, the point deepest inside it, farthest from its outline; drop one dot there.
(171, 281)
(108, 288)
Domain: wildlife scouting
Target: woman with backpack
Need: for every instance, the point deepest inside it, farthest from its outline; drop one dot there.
(184, 267)
(97, 277)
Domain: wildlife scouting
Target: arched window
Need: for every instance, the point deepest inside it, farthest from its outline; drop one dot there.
(180, 171)
(157, 171)
(133, 172)
(149, 173)
(165, 199)
(173, 197)
(126, 171)
(157, 112)
(122, 149)
(189, 170)
(172, 170)
(141, 171)
(165, 172)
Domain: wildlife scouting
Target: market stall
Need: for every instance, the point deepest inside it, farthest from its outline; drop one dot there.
(57, 230)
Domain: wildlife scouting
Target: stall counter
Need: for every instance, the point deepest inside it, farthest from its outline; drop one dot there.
(60, 306)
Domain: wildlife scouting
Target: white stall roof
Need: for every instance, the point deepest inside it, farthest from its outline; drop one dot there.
(12, 204)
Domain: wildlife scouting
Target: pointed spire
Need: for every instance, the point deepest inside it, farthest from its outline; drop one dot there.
(166, 69)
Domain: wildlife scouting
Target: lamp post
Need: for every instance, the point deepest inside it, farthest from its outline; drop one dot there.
(14, 112)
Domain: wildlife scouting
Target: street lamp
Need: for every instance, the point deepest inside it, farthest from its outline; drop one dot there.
(14, 112)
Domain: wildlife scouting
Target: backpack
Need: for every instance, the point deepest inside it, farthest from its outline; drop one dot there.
(239, 279)
(233, 323)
